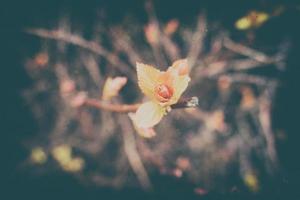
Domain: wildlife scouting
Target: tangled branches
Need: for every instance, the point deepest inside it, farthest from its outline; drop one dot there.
(231, 127)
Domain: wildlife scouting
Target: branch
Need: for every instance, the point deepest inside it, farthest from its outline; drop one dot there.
(125, 108)
(81, 42)
(121, 108)
(247, 78)
(197, 40)
(133, 156)
(246, 51)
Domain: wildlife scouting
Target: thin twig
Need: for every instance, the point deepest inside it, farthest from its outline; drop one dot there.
(125, 108)
(265, 121)
(247, 78)
(133, 156)
(121, 108)
(89, 45)
(124, 43)
(197, 41)
(169, 46)
(246, 51)
(156, 47)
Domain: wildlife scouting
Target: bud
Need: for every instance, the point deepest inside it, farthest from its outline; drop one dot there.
(171, 27)
(152, 33)
(112, 87)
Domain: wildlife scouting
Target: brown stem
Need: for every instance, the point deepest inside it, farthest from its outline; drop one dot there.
(121, 108)
(125, 108)
(85, 44)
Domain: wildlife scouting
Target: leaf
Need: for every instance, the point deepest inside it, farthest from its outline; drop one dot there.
(182, 66)
(251, 181)
(253, 19)
(148, 76)
(144, 132)
(38, 155)
(112, 87)
(149, 114)
(74, 165)
(62, 153)
(243, 23)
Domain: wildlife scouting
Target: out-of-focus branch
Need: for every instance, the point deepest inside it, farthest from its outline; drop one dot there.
(93, 69)
(123, 42)
(132, 153)
(197, 41)
(89, 45)
(246, 51)
(125, 108)
(170, 47)
(247, 78)
(265, 121)
(121, 108)
(155, 29)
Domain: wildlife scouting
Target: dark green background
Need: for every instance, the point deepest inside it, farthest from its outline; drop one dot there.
(17, 123)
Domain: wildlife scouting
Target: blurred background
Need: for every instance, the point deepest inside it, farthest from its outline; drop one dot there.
(241, 141)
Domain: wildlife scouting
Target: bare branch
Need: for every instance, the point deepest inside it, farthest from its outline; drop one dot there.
(197, 41)
(246, 51)
(133, 156)
(89, 45)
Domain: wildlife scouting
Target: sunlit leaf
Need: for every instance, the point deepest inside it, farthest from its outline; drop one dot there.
(253, 20)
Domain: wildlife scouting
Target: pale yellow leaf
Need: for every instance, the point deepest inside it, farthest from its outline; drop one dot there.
(38, 156)
(62, 153)
(148, 77)
(243, 23)
(144, 132)
(254, 19)
(180, 84)
(74, 165)
(261, 18)
(112, 87)
(149, 114)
